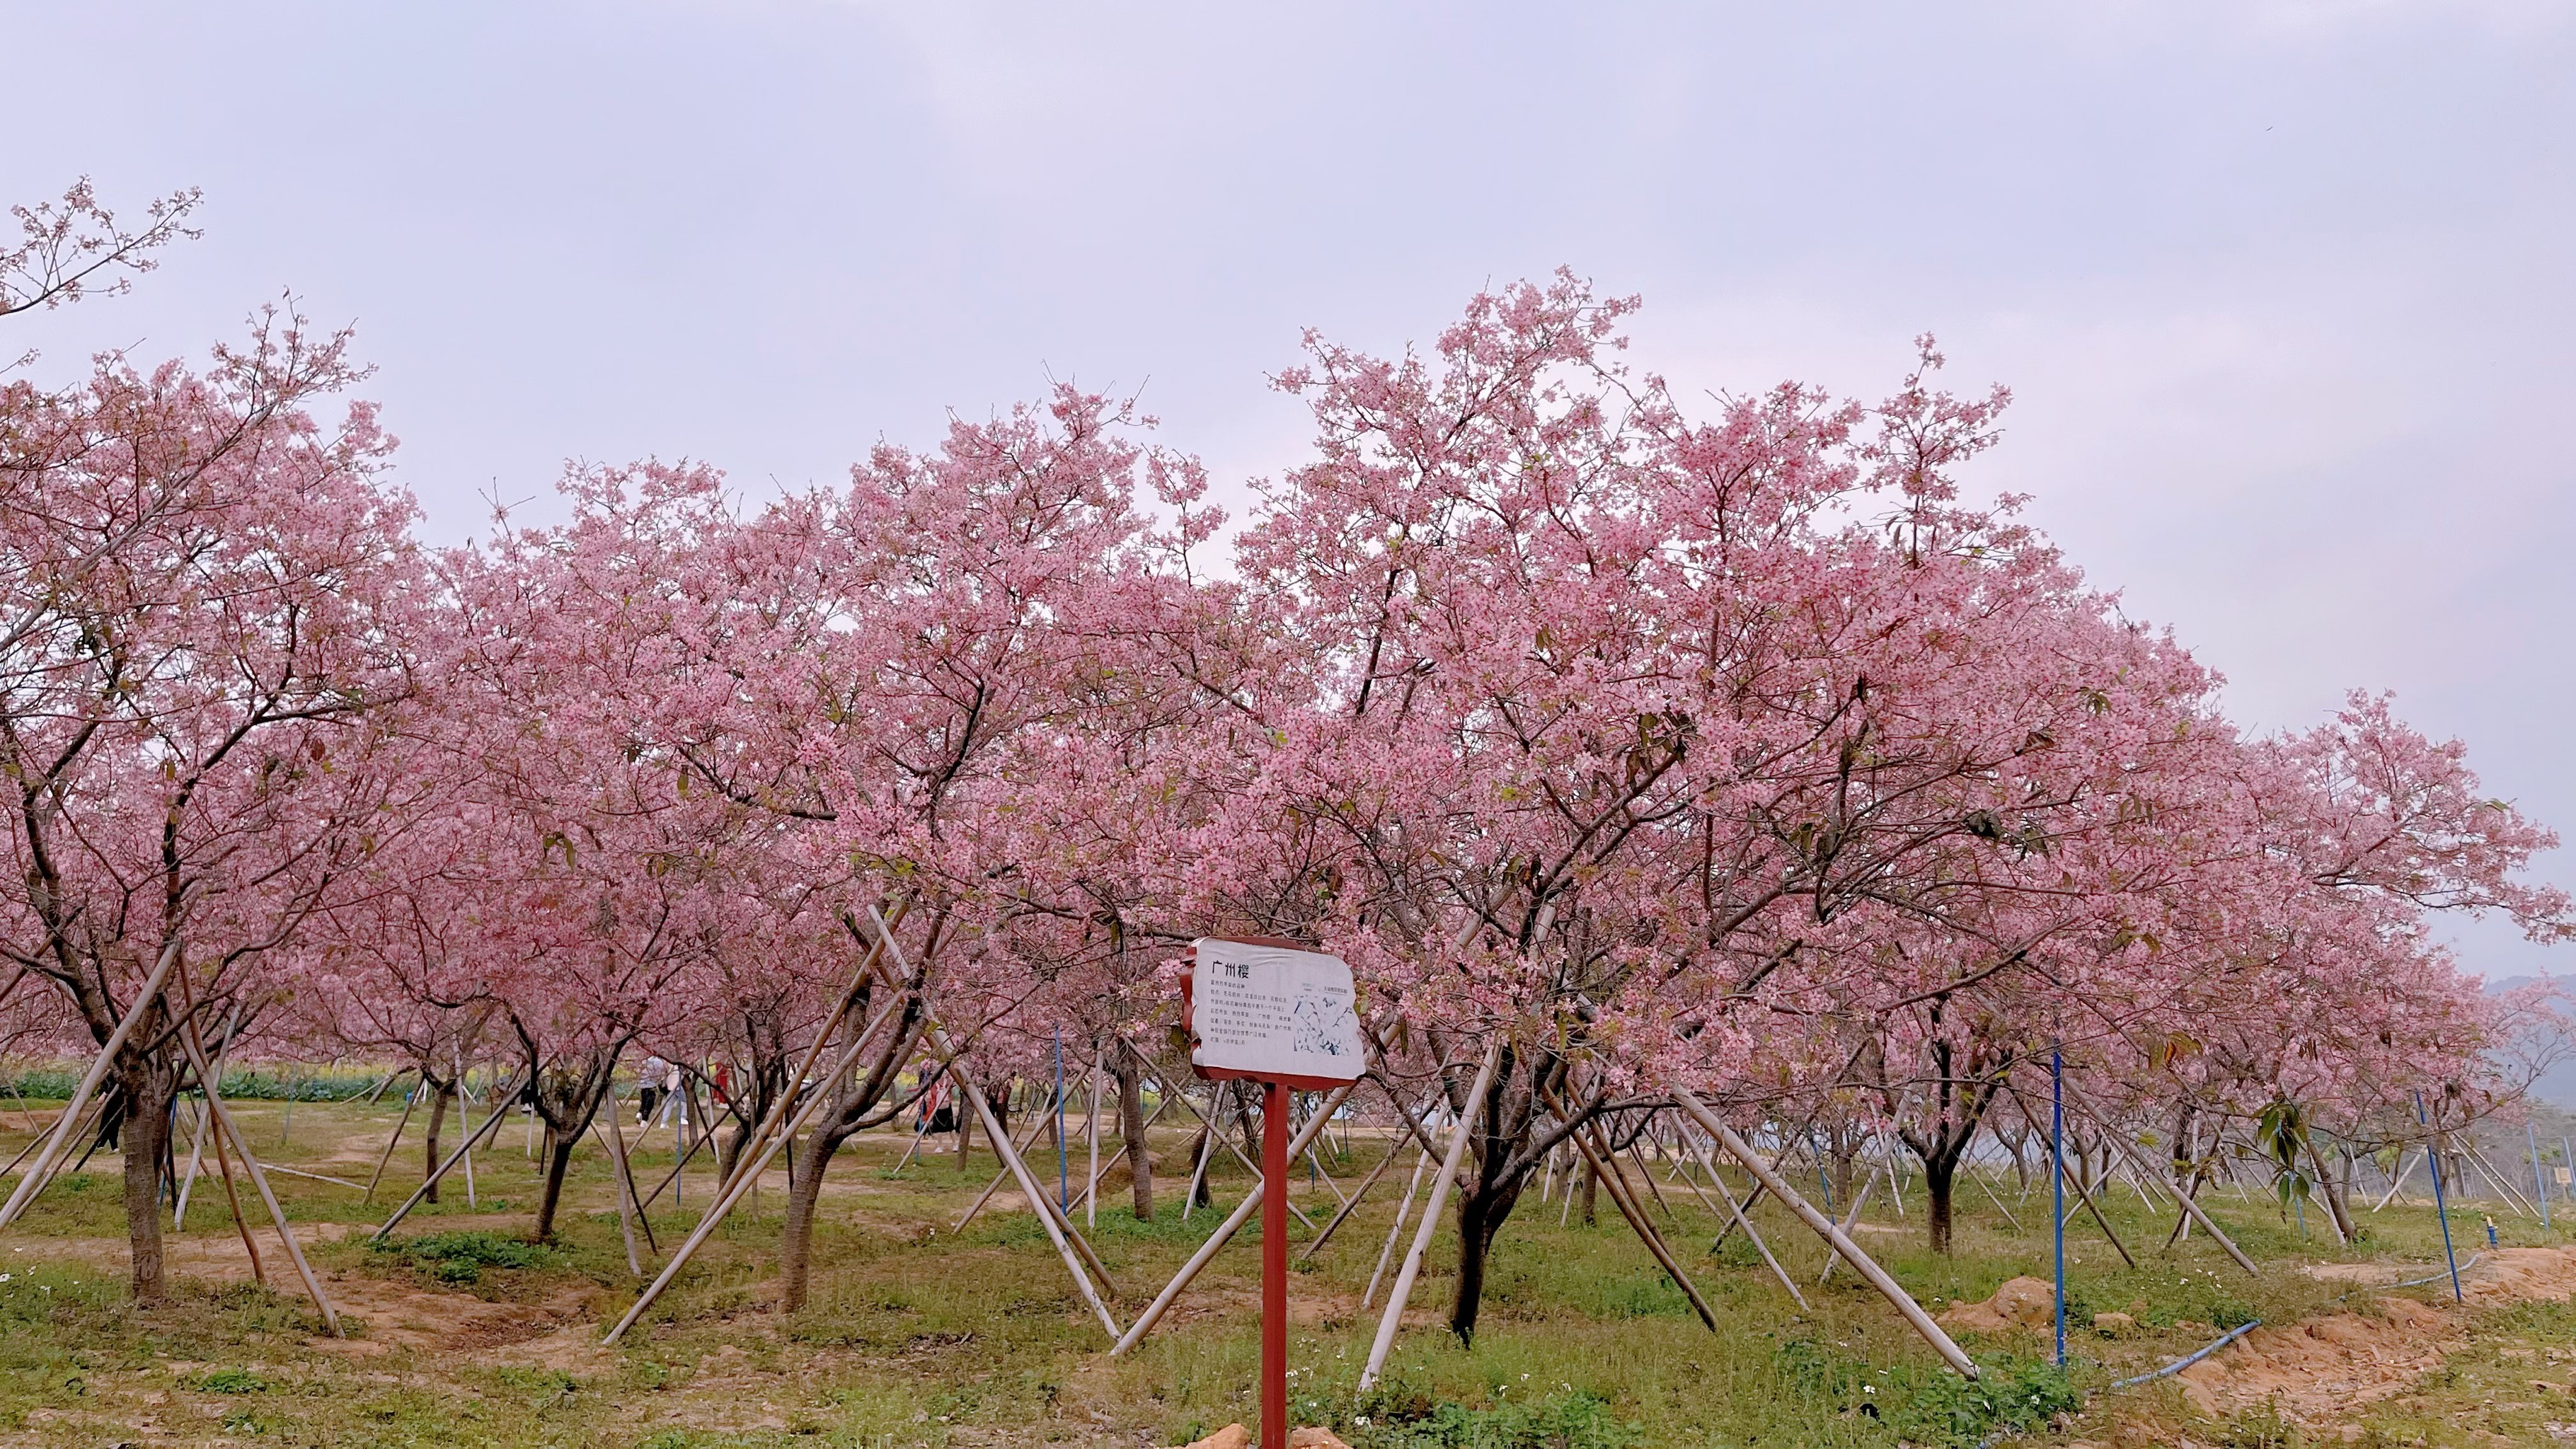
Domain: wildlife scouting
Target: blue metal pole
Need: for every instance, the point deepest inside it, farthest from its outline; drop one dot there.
(2441, 1205)
(1063, 1183)
(2532, 1135)
(2057, 1185)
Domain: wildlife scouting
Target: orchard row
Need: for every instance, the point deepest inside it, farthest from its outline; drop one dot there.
(1625, 745)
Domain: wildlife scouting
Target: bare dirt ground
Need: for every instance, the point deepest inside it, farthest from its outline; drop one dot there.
(2319, 1370)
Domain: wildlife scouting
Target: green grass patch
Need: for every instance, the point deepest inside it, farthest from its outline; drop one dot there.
(462, 1255)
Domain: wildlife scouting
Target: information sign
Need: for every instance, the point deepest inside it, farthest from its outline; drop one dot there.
(1274, 1012)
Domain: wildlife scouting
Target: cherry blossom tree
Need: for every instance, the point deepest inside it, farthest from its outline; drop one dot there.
(210, 599)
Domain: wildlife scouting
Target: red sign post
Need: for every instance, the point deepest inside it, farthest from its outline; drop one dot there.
(1274, 1012)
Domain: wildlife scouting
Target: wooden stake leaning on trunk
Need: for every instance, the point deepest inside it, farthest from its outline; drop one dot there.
(2512, 1195)
(232, 1199)
(695, 1144)
(1106, 1168)
(88, 1120)
(1440, 1185)
(935, 1037)
(1207, 1150)
(2191, 1209)
(1091, 1137)
(410, 1101)
(42, 1167)
(625, 1218)
(196, 1050)
(2397, 1179)
(1351, 1204)
(1686, 1172)
(1624, 1198)
(490, 1125)
(1742, 1221)
(1044, 1205)
(870, 960)
(1895, 1188)
(626, 1181)
(748, 1171)
(1648, 1174)
(1859, 1200)
(1226, 1230)
(205, 1125)
(1395, 1230)
(1037, 1124)
(2085, 1199)
(1213, 1135)
(1742, 1151)
(1971, 1173)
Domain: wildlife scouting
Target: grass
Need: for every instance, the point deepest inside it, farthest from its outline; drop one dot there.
(919, 1334)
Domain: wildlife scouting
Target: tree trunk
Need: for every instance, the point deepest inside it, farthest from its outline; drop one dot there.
(1131, 1132)
(566, 1101)
(1589, 1195)
(439, 1095)
(1199, 1144)
(796, 1238)
(148, 1088)
(2334, 1189)
(1939, 1173)
(558, 1161)
(1481, 1212)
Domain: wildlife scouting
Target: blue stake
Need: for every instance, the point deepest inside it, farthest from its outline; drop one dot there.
(1063, 1184)
(2532, 1135)
(2441, 1207)
(2057, 1185)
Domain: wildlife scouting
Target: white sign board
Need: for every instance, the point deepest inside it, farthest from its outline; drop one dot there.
(1273, 1012)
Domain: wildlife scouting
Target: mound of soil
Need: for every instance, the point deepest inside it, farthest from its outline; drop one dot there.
(2320, 1369)
(2019, 1303)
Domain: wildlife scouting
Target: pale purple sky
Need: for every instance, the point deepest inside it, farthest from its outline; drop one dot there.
(2286, 290)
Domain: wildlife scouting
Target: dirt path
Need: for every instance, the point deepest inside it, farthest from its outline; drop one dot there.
(2321, 1369)
(393, 1312)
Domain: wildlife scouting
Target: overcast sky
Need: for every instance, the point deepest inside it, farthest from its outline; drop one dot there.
(2286, 291)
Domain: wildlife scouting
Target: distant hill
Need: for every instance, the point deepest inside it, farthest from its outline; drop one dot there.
(2558, 1087)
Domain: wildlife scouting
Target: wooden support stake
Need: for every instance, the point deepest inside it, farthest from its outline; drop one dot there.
(490, 1124)
(41, 1169)
(1225, 1231)
(1606, 1163)
(1351, 1204)
(1746, 1223)
(748, 1172)
(1859, 1200)
(1395, 1230)
(1440, 1185)
(196, 1050)
(410, 1101)
(1248, 1164)
(2397, 1179)
(2193, 1209)
(1037, 1124)
(1743, 1152)
(626, 1180)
